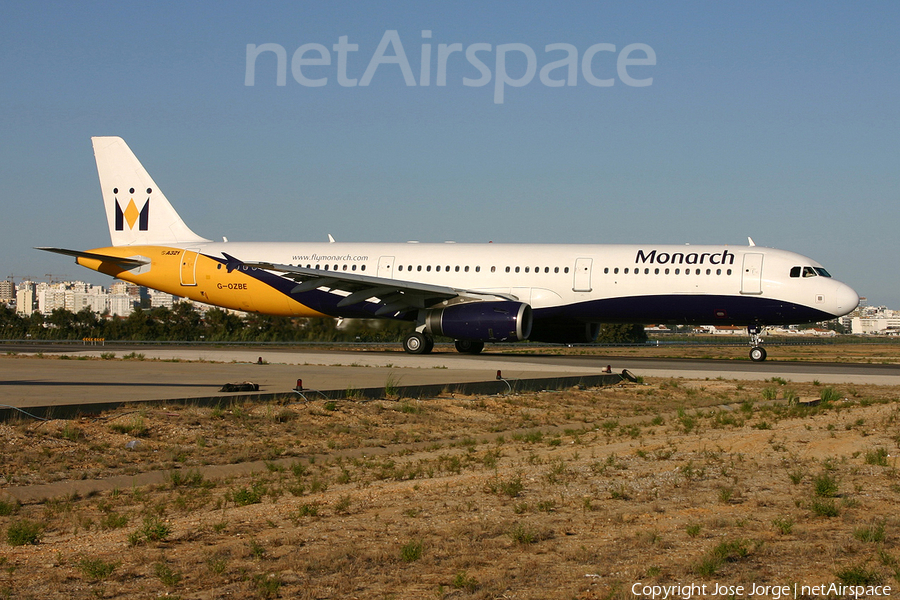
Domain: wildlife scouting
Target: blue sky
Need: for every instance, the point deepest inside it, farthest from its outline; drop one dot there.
(773, 120)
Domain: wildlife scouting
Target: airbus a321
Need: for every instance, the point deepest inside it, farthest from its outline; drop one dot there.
(473, 293)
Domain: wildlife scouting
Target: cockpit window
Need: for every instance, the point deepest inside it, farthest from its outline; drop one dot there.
(809, 272)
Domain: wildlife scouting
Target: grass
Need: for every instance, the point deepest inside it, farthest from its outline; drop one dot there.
(24, 532)
(97, 569)
(135, 426)
(824, 507)
(245, 496)
(724, 552)
(464, 581)
(825, 485)
(784, 525)
(877, 456)
(153, 529)
(411, 551)
(858, 575)
(478, 497)
(8, 507)
(167, 575)
(870, 533)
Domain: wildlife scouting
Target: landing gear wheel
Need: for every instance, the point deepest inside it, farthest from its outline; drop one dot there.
(757, 354)
(469, 346)
(418, 343)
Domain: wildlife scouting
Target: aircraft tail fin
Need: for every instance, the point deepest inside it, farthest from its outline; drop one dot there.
(137, 211)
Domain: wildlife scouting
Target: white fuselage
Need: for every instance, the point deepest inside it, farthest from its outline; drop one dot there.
(556, 276)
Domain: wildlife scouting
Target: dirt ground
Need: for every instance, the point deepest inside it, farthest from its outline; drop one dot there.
(594, 493)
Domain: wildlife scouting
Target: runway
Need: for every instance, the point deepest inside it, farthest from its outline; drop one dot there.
(179, 373)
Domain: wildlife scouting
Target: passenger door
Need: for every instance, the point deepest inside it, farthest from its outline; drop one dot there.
(582, 275)
(751, 277)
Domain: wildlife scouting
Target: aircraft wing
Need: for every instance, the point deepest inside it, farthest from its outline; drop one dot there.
(393, 295)
(127, 263)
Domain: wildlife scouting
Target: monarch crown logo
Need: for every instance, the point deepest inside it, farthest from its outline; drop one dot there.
(131, 214)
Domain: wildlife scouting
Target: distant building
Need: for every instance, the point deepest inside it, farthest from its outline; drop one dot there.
(121, 305)
(7, 291)
(873, 320)
(25, 298)
(161, 299)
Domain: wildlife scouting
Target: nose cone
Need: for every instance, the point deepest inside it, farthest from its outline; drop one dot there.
(844, 300)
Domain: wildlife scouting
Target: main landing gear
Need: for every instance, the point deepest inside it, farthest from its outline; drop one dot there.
(419, 342)
(757, 352)
(469, 346)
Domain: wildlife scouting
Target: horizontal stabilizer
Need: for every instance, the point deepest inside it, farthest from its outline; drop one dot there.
(128, 263)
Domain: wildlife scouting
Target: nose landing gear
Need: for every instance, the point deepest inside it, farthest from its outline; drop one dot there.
(757, 352)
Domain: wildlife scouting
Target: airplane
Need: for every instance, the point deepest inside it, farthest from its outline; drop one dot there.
(473, 292)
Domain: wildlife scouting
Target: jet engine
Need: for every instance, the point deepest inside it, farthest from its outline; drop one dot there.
(490, 321)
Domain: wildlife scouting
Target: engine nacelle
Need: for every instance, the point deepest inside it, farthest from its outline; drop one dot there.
(501, 321)
(564, 332)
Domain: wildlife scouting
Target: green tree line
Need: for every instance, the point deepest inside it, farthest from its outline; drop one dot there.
(185, 323)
